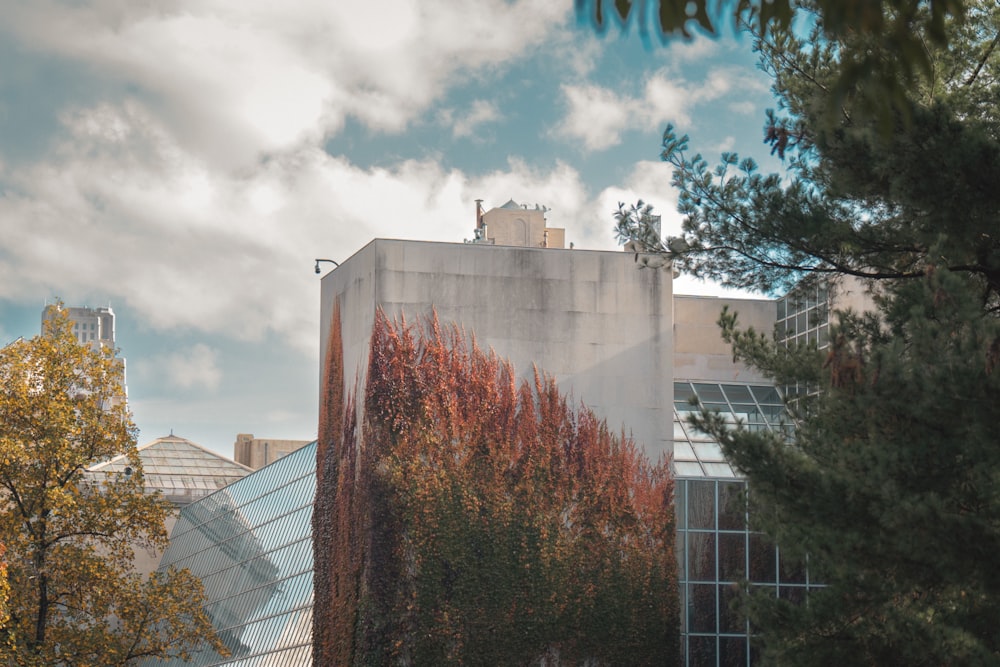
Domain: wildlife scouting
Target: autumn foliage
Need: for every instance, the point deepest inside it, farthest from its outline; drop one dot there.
(70, 592)
(478, 520)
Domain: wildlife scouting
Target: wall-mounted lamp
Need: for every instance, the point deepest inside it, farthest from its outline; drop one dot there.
(335, 264)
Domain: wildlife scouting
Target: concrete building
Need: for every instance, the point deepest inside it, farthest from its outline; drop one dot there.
(616, 337)
(611, 333)
(590, 319)
(90, 325)
(258, 452)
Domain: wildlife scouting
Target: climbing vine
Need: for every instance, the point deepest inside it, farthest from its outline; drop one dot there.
(479, 520)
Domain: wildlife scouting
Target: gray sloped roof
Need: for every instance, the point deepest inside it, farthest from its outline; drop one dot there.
(183, 470)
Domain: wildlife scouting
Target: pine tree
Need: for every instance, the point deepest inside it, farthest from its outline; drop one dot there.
(890, 489)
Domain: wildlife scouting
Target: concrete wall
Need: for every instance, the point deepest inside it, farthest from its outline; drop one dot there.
(593, 320)
(699, 351)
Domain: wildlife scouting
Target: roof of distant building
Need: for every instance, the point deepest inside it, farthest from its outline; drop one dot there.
(182, 470)
(511, 204)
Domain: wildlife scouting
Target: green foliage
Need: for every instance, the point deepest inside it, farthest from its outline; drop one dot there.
(856, 199)
(70, 537)
(891, 488)
(485, 522)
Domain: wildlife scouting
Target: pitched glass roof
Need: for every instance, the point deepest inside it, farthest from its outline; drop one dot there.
(182, 470)
(755, 406)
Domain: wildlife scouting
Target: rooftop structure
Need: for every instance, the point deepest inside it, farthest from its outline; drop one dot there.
(514, 224)
(181, 470)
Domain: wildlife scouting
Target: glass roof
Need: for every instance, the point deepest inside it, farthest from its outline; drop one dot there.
(182, 470)
(756, 407)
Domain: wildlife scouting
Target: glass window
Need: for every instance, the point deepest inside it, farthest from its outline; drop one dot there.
(710, 393)
(794, 594)
(701, 609)
(701, 651)
(732, 651)
(732, 506)
(791, 570)
(732, 556)
(763, 565)
(701, 504)
(701, 556)
(730, 618)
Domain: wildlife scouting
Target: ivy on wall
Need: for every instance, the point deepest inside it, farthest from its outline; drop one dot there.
(478, 520)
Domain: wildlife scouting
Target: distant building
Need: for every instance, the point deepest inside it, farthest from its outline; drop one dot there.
(516, 224)
(90, 325)
(804, 314)
(258, 452)
(94, 327)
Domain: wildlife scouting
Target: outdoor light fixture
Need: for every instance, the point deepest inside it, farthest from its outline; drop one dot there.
(335, 264)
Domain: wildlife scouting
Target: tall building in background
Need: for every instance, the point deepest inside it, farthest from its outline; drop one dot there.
(94, 327)
(90, 325)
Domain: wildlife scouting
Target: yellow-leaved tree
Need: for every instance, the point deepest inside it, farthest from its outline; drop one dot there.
(71, 536)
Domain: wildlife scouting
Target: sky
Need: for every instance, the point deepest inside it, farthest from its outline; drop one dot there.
(185, 162)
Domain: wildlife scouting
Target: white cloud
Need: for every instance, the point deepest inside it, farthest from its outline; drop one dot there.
(194, 367)
(479, 113)
(650, 182)
(237, 79)
(598, 116)
(190, 248)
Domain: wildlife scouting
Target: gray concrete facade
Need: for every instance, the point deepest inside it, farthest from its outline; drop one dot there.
(593, 320)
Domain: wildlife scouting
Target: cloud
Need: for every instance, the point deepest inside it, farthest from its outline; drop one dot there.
(480, 113)
(237, 79)
(597, 115)
(194, 367)
(650, 182)
(128, 215)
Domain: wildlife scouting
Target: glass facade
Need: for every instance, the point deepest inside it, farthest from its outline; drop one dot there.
(251, 544)
(716, 554)
(716, 550)
(803, 315)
